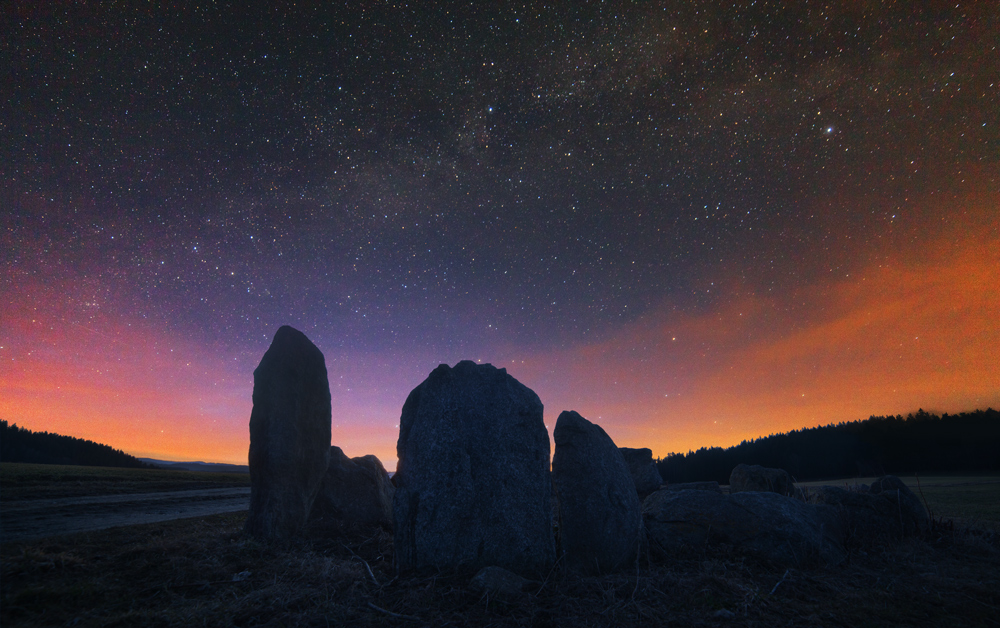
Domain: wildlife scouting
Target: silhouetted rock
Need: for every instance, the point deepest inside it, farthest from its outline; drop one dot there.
(866, 519)
(355, 491)
(747, 477)
(915, 519)
(472, 484)
(689, 518)
(289, 435)
(645, 475)
(871, 517)
(694, 486)
(774, 527)
(600, 523)
(791, 531)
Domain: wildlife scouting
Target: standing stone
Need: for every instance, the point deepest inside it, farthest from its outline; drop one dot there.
(355, 491)
(472, 484)
(289, 435)
(645, 475)
(600, 520)
(747, 477)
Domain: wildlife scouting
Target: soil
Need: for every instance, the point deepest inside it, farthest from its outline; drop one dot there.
(38, 518)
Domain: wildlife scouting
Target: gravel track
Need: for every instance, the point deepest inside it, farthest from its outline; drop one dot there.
(37, 518)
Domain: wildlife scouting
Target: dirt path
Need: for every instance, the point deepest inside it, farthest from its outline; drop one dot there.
(37, 518)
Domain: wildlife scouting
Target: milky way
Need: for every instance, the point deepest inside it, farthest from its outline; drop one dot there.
(693, 222)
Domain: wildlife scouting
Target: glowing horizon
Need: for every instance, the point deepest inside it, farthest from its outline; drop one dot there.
(892, 336)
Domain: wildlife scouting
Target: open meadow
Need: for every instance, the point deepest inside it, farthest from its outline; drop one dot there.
(22, 480)
(203, 571)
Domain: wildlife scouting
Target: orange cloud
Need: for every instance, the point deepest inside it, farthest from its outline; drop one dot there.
(919, 332)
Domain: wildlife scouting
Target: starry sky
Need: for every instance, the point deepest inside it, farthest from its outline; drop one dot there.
(692, 222)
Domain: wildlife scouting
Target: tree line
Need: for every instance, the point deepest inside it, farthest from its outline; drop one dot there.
(919, 443)
(18, 444)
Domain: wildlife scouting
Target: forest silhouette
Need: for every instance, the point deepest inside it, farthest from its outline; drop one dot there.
(919, 443)
(18, 444)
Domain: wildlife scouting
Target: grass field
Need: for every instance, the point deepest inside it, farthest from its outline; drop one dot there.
(19, 480)
(203, 572)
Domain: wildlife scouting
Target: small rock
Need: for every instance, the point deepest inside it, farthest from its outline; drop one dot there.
(498, 582)
(694, 486)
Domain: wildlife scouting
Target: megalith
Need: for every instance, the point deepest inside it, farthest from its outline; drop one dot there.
(600, 519)
(355, 491)
(473, 487)
(645, 475)
(289, 435)
(792, 532)
(780, 529)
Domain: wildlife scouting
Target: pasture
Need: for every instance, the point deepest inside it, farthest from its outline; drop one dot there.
(21, 480)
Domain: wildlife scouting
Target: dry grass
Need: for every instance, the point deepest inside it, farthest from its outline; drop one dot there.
(203, 572)
(21, 480)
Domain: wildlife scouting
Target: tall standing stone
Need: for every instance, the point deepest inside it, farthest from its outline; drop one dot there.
(472, 483)
(289, 435)
(600, 520)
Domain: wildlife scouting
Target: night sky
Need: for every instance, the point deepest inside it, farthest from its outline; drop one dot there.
(692, 222)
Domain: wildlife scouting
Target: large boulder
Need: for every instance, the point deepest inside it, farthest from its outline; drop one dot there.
(870, 517)
(645, 475)
(776, 528)
(746, 477)
(600, 522)
(355, 491)
(473, 487)
(791, 531)
(912, 512)
(289, 435)
(691, 518)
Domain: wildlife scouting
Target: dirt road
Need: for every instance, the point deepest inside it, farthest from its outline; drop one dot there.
(37, 518)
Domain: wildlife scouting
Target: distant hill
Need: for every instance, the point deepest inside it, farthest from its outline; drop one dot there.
(208, 467)
(21, 445)
(919, 443)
